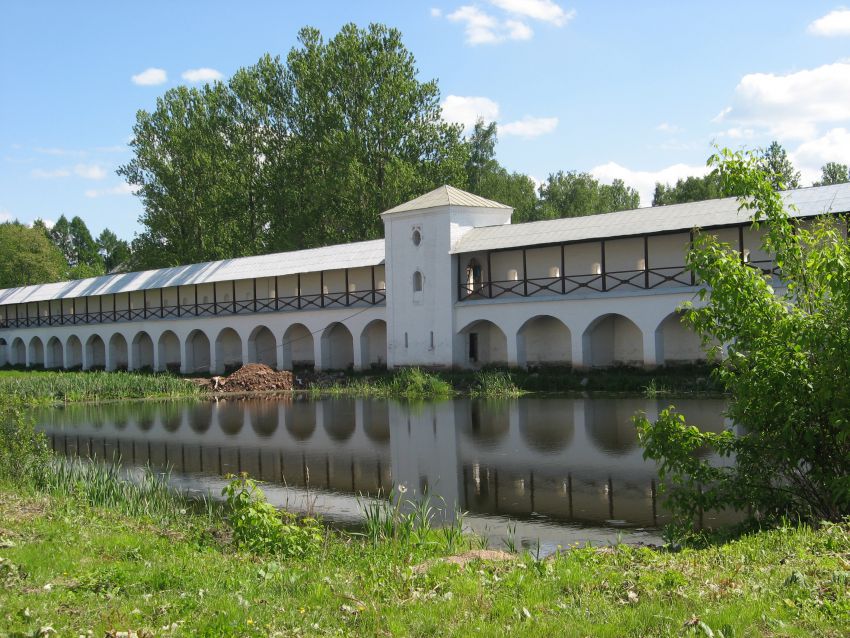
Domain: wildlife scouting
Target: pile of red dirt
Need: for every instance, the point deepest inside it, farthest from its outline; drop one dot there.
(253, 377)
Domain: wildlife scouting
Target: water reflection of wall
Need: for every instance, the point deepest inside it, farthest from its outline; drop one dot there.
(566, 459)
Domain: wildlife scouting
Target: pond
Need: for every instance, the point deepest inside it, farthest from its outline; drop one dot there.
(541, 472)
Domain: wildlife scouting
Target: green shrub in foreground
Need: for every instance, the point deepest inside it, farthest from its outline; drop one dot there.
(260, 527)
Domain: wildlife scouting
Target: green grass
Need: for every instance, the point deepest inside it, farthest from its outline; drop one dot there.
(45, 387)
(75, 568)
(504, 382)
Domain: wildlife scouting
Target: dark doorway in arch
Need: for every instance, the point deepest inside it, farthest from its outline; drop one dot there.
(473, 346)
(474, 280)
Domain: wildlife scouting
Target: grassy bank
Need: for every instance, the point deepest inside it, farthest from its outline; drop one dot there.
(501, 382)
(44, 387)
(75, 567)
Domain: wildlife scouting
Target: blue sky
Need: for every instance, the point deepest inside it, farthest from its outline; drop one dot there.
(621, 89)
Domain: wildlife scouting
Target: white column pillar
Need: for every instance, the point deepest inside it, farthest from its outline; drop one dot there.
(246, 356)
(317, 351)
(580, 351)
(511, 342)
(357, 351)
(651, 348)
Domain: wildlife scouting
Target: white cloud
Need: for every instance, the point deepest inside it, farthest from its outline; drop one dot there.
(737, 133)
(666, 127)
(89, 171)
(810, 156)
(530, 126)
(5, 215)
(204, 74)
(466, 110)
(543, 10)
(479, 27)
(644, 181)
(121, 189)
(834, 23)
(791, 105)
(150, 77)
(436, 13)
(40, 173)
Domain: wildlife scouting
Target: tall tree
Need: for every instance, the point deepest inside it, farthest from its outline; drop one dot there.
(573, 194)
(290, 154)
(29, 257)
(482, 154)
(60, 235)
(775, 162)
(114, 252)
(833, 173)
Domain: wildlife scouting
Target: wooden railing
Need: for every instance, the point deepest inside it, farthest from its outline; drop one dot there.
(374, 297)
(644, 279)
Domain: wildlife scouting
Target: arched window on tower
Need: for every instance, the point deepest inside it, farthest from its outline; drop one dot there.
(417, 281)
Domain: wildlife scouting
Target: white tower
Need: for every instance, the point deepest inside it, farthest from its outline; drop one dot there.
(421, 274)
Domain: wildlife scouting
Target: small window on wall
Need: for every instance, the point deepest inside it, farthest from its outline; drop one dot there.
(417, 281)
(417, 236)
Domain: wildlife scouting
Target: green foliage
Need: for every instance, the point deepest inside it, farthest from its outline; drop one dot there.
(689, 189)
(48, 386)
(114, 252)
(833, 173)
(572, 194)
(785, 366)
(415, 383)
(28, 257)
(494, 383)
(776, 165)
(290, 154)
(260, 527)
(24, 453)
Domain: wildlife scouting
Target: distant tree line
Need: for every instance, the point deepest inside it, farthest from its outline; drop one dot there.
(38, 254)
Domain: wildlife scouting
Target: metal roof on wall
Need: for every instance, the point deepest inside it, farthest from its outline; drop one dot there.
(366, 253)
(641, 221)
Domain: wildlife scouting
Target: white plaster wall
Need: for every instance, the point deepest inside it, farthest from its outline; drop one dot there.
(544, 341)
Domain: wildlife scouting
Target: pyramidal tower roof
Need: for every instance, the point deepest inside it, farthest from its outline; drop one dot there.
(445, 196)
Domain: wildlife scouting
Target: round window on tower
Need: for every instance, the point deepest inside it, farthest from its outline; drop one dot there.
(417, 237)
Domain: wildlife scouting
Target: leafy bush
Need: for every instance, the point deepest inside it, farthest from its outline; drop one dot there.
(416, 383)
(24, 453)
(260, 527)
(494, 383)
(786, 367)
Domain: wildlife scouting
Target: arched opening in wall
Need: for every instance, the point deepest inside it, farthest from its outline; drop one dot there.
(18, 352)
(474, 278)
(484, 422)
(73, 353)
(169, 352)
(263, 415)
(36, 353)
(609, 425)
(373, 345)
(262, 347)
(547, 426)
(484, 344)
(612, 340)
(143, 351)
(376, 421)
(231, 416)
(544, 341)
(197, 353)
(297, 346)
(118, 359)
(54, 354)
(4, 352)
(301, 419)
(339, 419)
(228, 351)
(677, 343)
(417, 281)
(95, 353)
(337, 347)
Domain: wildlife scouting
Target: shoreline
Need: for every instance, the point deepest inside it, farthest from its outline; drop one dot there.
(49, 387)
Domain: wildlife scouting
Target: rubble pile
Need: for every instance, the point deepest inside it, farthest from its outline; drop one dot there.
(253, 377)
